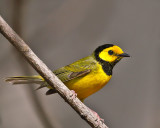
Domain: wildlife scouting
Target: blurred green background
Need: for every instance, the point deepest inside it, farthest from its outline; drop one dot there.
(63, 31)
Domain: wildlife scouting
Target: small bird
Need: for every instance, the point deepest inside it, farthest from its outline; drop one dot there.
(85, 76)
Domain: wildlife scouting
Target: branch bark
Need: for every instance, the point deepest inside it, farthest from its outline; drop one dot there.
(49, 77)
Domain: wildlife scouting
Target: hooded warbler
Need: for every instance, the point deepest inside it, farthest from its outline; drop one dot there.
(85, 76)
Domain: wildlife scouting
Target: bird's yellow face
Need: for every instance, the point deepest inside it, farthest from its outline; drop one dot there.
(111, 54)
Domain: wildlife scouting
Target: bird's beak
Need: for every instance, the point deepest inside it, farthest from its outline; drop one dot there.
(123, 55)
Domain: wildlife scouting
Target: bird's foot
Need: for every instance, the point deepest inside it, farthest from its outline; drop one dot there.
(73, 95)
(98, 117)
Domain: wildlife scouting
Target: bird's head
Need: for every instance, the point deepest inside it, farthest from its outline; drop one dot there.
(109, 53)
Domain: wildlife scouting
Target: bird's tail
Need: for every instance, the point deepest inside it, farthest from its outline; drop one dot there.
(31, 80)
(25, 80)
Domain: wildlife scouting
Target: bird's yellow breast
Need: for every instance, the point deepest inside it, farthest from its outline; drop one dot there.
(86, 85)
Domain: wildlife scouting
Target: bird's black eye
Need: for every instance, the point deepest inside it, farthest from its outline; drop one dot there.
(110, 52)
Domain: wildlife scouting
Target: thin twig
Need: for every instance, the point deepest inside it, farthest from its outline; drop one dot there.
(49, 77)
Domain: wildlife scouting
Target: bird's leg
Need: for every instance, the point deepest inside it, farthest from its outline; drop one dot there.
(73, 95)
(98, 117)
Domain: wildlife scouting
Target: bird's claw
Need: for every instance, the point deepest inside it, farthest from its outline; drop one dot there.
(74, 94)
(98, 117)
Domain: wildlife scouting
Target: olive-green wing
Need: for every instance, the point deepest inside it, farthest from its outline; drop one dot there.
(77, 69)
(66, 75)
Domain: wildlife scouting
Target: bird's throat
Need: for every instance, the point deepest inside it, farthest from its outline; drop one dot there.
(107, 67)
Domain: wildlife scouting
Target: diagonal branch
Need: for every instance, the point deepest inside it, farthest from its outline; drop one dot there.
(49, 77)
